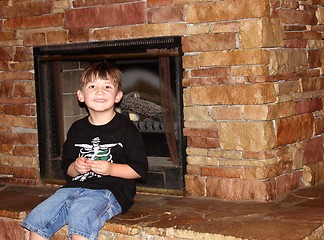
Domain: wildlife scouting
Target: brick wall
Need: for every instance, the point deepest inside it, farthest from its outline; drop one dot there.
(253, 84)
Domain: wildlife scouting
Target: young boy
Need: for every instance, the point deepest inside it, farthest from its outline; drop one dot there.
(103, 156)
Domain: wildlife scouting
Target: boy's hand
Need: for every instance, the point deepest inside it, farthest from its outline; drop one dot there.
(100, 167)
(81, 165)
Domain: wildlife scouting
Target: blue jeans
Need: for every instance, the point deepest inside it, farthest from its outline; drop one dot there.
(84, 210)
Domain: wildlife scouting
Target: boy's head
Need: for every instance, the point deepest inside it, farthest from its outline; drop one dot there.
(101, 71)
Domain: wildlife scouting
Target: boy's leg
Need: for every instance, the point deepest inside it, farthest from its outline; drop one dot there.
(89, 212)
(35, 236)
(50, 215)
(77, 237)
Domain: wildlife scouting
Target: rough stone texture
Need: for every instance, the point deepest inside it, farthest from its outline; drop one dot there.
(294, 128)
(241, 94)
(247, 136)
(216, 11)
(252, 79)
(103, 16)
(264, 32)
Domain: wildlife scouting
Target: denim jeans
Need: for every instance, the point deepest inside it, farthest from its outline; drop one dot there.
(84, 210)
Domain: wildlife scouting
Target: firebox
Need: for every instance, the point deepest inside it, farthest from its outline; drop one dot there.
(152, 75)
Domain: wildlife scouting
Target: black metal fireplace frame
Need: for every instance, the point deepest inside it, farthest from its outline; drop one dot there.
(144, 48)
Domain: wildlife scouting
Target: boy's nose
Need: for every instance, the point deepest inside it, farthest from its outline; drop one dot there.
(99, 91)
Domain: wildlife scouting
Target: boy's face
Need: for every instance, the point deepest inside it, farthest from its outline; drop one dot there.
(100, 95)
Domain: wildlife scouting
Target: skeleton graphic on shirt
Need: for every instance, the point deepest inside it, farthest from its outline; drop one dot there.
(95, 151)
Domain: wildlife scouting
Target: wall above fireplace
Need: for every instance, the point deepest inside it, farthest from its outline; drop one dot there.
(252, 79)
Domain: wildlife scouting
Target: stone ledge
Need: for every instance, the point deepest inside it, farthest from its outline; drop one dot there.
(300, 215)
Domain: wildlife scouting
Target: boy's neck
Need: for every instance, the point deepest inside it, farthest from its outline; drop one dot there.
(101, 118)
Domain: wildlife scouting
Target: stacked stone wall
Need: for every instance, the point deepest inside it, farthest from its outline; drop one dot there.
(253, 84)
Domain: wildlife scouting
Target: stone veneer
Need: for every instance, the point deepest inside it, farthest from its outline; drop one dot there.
(253, 84)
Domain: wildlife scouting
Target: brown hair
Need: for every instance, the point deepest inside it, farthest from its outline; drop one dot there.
(101, 71)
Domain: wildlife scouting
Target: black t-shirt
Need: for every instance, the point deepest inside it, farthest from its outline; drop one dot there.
(118, 141)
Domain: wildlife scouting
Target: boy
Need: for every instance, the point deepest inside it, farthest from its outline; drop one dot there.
(103, 156)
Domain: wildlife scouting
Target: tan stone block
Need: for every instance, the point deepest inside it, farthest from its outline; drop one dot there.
(194, 151)
(56, 37)
(223, 172)
(186, 97)
(193, 169)
(7, 35)
(216, 153)
(168, 13)
(211, 72)
(191, 61)
(107, 34)
(285, 61)
(259, 112)
(19, 121)
(60, 5)
(313, 173)
(201, 160)
(224, 27)
(201, 125)
(320, 15)
(266, 154)
(312, 84)
(247, 162)
(249, 136)
(19, 161)
(162, 29)
(240, 94)
(24, 89)
(226, 10)
(287, 87)
(201, 132)
(296, 154)
(198, 28)
(264, 32)
(120, 228)
(197, 113)
(281, 166)
(78, 35)
(315, 44)
(319, 124)
(21, 66)
(33, 39)
(25, 150)
(286, 109)
(235, 57)
(11, 229)
(208, 42)
(230, 154)
(226, 113)
(250, 70)
(286, 97)
(155, 231)
(6, 148)
(239, 189)
(195, 185)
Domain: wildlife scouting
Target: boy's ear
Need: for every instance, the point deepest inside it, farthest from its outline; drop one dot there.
(119, 96)
(80, 96)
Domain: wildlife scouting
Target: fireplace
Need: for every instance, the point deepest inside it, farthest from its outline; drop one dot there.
(152, 99)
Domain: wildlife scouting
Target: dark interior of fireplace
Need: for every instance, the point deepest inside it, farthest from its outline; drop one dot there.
(152, 73)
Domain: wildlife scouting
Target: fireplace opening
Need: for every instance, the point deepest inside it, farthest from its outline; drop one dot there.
(152, 74)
